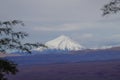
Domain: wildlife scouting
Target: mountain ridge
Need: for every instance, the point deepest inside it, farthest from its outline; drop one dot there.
(63, 43)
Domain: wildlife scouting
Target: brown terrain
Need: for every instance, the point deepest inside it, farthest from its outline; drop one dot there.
(107, 70)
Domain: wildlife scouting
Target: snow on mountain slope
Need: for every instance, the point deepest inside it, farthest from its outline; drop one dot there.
(40, 48)
(102, 48)
(63, 43)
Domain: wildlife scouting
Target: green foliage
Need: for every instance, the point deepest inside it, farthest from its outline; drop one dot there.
(111, 7)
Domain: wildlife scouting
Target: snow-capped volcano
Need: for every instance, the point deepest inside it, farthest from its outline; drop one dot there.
(63, 43)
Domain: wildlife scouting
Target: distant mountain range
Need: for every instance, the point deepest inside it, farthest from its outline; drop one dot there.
(65, 45)
(51, 56)
(103, 50)
(64, 50)
(55, 56)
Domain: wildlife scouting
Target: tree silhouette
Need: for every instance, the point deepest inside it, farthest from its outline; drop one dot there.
(7, 67)
(10, 39)
(112, 7)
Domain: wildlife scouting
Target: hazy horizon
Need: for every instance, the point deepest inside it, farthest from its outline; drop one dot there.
(81, 20)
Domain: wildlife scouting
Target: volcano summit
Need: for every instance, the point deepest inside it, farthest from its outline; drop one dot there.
(63, 43)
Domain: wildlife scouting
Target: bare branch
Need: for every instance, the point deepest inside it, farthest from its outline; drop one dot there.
(111, 7)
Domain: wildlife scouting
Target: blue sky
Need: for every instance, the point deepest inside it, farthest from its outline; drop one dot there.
(81, 20)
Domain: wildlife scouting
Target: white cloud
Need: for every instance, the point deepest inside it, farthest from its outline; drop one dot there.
(87, 36)
(53, 17)
(84, 37)
(62, 27)
(114, 37)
